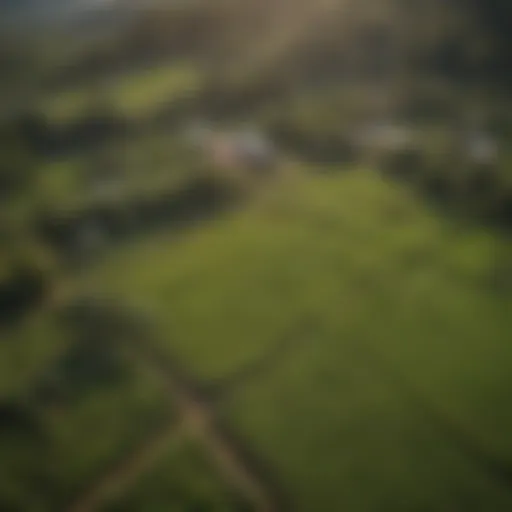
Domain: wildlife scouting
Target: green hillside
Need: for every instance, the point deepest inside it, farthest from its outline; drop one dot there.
(356, 338)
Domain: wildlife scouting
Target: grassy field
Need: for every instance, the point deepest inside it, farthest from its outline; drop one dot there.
(339, 436)
(133, 95)
(356, 339)
(69, 409)
(26, 352)
(359, 336)
(182, 479)
(135, 167)
(289, 336)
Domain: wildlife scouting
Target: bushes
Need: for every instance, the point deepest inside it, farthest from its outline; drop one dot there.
(22, 288)
(69, 233)
(90, 130)
(18, 419)
(16, 163)
(89, 363)
(311, 135)
(326, 148)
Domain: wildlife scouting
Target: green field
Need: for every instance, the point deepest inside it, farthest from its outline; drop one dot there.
(394, 387)
(349, 337)
(26, 352)
(339, 435)
(356, 340)
(256, 256)
(134, 167)
(134, 95)
(182, 479)
(69, 410)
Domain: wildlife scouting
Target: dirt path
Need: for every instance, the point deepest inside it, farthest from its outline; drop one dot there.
(197, 418)
(236, 471)
(200, 420)
(124, 474)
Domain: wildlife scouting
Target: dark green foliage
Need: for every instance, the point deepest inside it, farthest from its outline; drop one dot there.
(320, 147)
(493, 19)
(198, 199)
(89, 364)
(20, 291)
(34, 129)
(91, 130)
(19, 420)
(16, 165)
(404, 164)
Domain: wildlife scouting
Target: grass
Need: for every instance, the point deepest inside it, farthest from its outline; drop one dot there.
(60, 180)
(151, 89)
(399, 318)
(25, 352)
(142, 166)
(182, 479)
(134, 95)
(76, 429)
(341, 437)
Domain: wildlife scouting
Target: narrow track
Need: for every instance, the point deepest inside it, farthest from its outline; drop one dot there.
(198, 419)
(116, 479)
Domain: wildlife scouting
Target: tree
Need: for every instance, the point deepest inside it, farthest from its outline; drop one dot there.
(16, 163)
